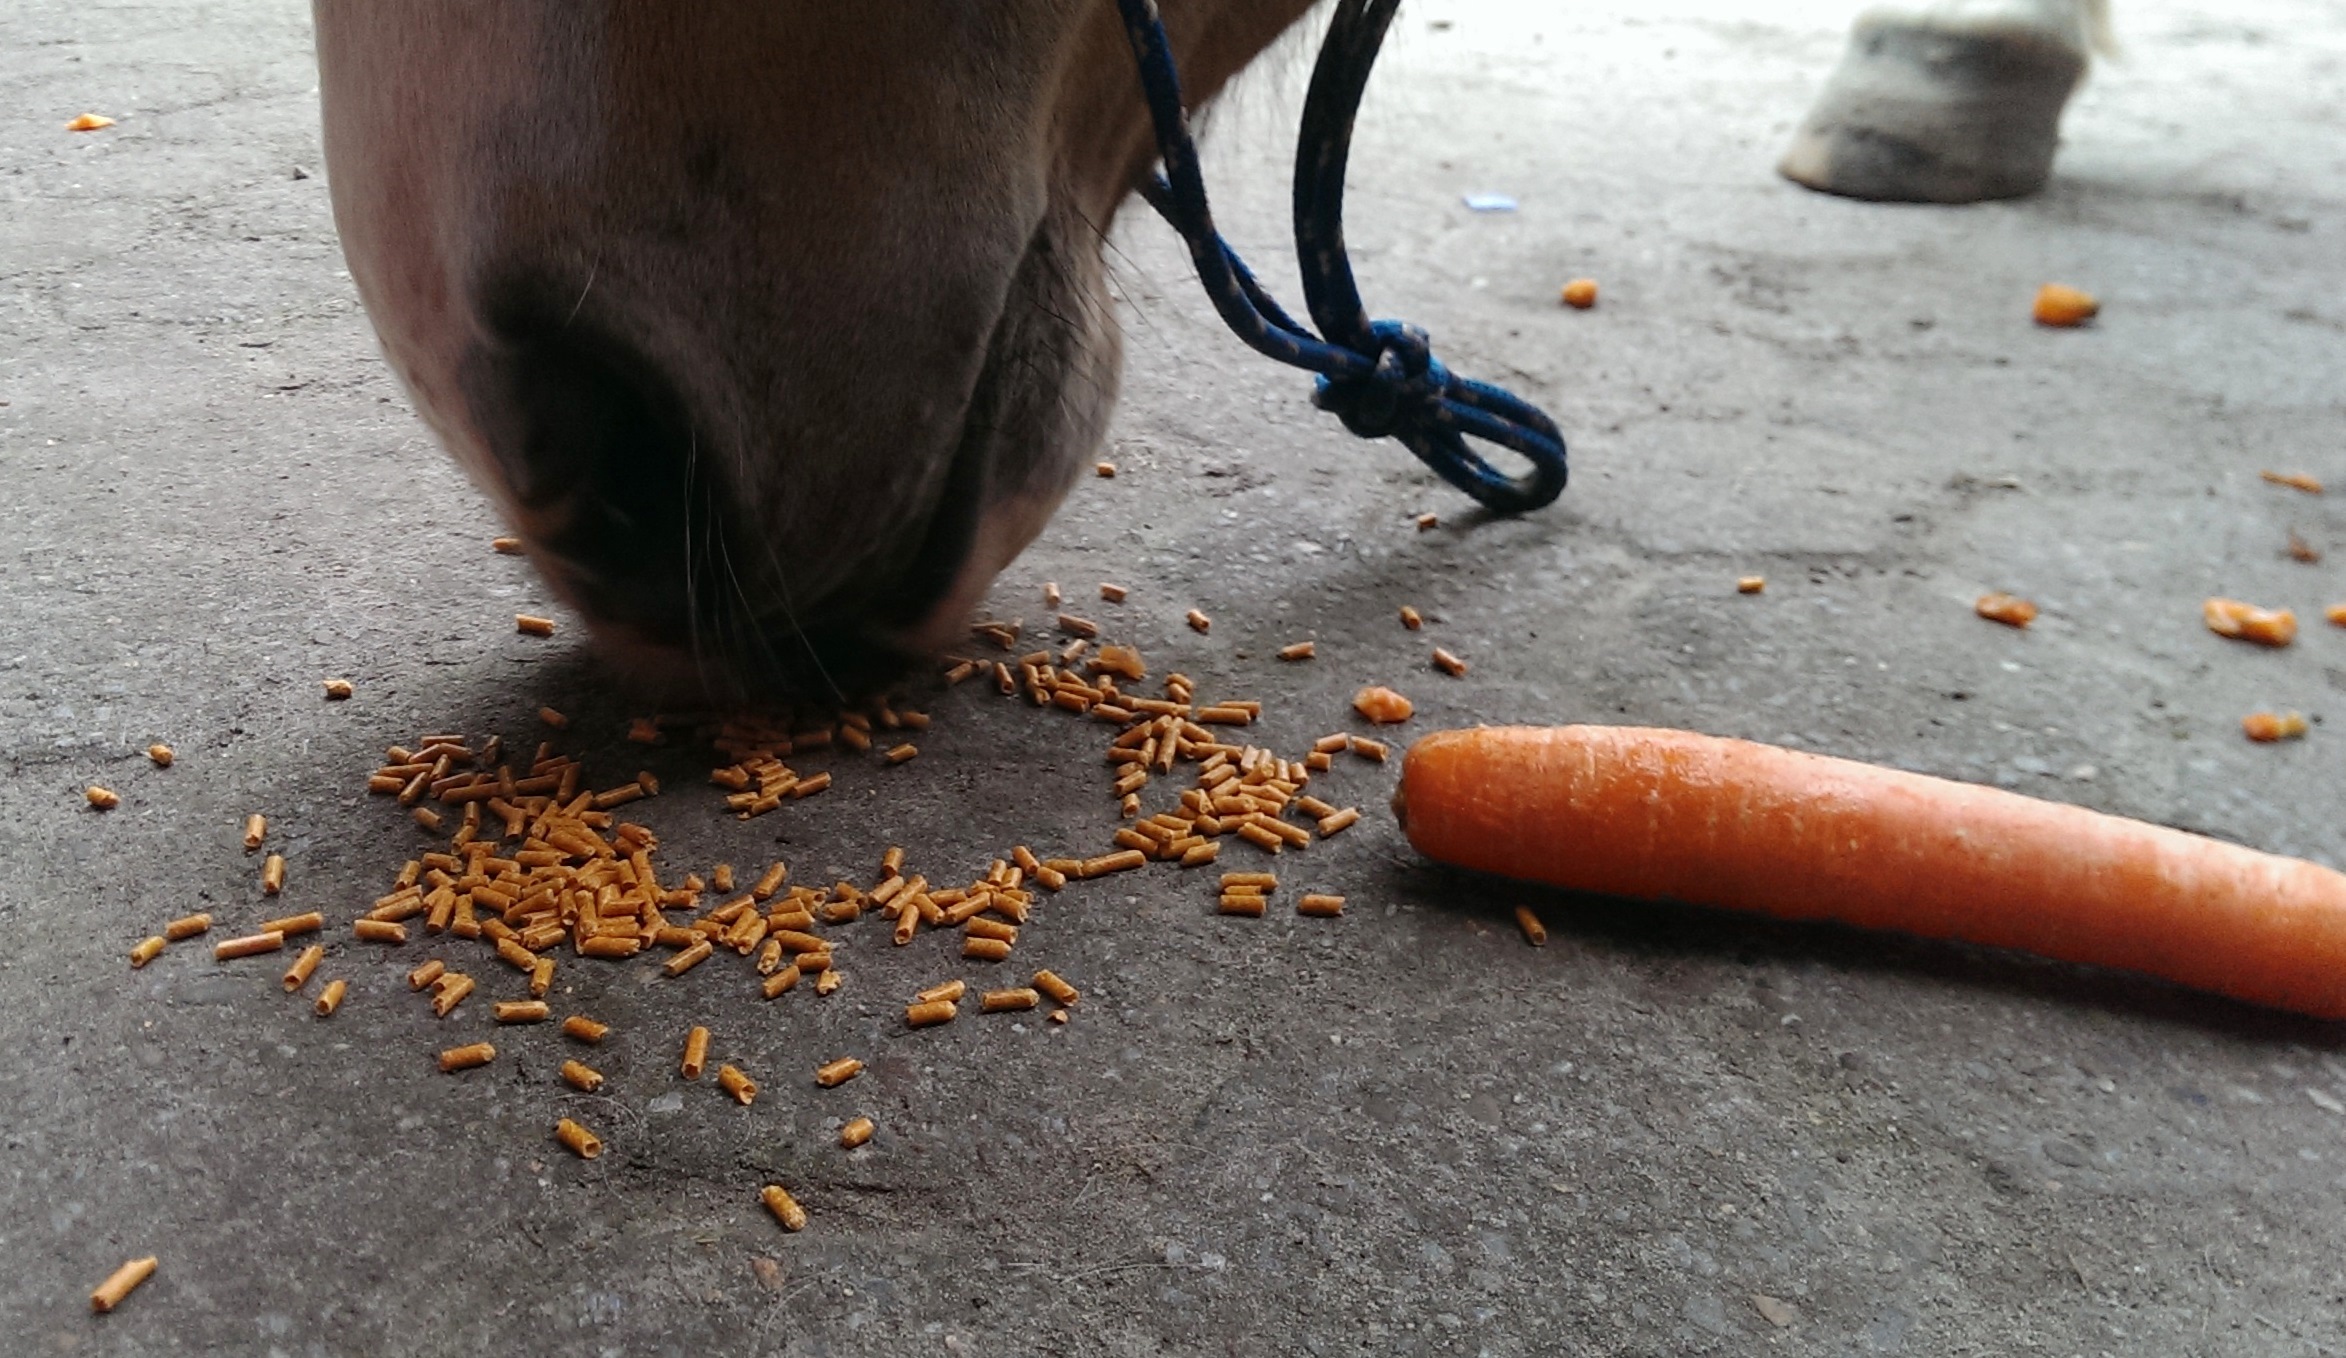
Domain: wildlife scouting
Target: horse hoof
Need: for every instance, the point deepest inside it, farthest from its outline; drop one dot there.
(1938, 109)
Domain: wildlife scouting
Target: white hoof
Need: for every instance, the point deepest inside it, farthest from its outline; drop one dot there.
(1940, 109)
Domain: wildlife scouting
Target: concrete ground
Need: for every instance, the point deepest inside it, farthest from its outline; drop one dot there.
(1400, 1132)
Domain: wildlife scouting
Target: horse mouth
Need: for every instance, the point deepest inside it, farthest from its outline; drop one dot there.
(634, 520)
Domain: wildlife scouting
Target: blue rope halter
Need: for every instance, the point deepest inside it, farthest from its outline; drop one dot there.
(1379, 377)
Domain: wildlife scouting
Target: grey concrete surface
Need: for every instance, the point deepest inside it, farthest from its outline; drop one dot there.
(1401, 1132)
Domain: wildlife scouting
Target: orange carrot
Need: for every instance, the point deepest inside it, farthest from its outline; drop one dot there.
(1670, 815)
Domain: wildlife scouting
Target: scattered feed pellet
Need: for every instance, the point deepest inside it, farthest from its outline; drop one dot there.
(578, 1140)
(696, 1054)
(124, 1280)
(505, 546)
(832, 1074)
(338, 689)
(777, 1198)
(188, 926)
(580, 1076)
(1320, 906)
(1534, 932)
(308, 922)
(902, 753)
(448, 992)
(520, 1011)
(148, 949)
(467, 1056)
(1411, 618)
(855, 1133)
(92, 122)
(298, 975)
(2294, 481)
(251, 945)
(102, 798)
(1104, 469)
(584, 1029)
(1580, 294)
(1751, 584)
(1448, 663)
(330, 998)
(161, 755)
(273, 874)
(1427, 522)
(743, 1090)
(1003, 1001)
(1114, 594)
(929, 1013)
(2008, 609)
(256, 829)
(1053, 985)
(531, 625)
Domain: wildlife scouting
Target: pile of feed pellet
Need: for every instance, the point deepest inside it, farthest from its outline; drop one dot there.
(540, 869)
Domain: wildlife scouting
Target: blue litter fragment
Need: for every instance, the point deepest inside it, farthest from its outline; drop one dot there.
(1489, 202)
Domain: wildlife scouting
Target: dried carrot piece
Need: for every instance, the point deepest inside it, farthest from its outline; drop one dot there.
(2008, 609)
(2062, 307)
(2266, 727)
(2247, 622)
(1382, 705)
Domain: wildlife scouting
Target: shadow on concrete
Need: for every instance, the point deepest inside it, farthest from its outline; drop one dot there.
(1638, 931)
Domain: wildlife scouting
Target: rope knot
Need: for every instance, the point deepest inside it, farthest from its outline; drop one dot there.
(1379, 377)
(1398, 394)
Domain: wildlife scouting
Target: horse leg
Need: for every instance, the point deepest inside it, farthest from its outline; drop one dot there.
(1955, 103)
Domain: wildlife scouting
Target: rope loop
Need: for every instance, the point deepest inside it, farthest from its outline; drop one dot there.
(1379, 377)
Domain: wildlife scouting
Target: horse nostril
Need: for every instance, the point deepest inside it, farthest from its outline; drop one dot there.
(596, 444)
